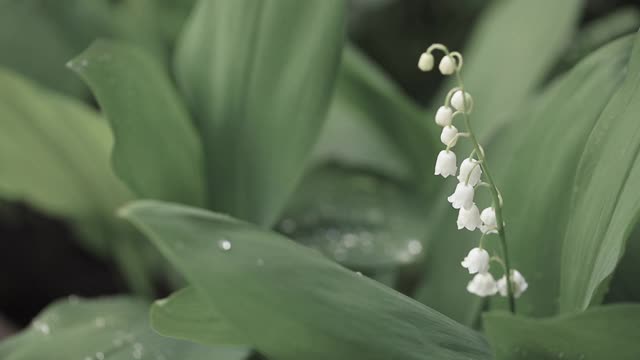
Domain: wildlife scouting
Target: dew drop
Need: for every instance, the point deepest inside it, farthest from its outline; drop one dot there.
(414, 247)
(100, 322)
(42, 327)
(224, 245)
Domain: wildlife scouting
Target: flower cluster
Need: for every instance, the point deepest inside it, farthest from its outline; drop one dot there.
(469, 176)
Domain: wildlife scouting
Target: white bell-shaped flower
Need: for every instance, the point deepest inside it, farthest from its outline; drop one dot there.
(444, 116)
(446, 163)
(425, 63)
(458, 101)
(518, 283)
(489, 222)
(447, 65)
(449, 135)
(462, 197)
(483, 284)
(470, 169)
(477, 261)
(469, 218)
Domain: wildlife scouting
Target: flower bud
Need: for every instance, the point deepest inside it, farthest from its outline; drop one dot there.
(518, 283)
(446, 163)
(470, 169)
(469, 218)
(483, 284)
(444, 116)
(449, 136)
(458, 101)
(447, 65)
(477, 261)
(462, 197)
(425, 63)
(489, 222)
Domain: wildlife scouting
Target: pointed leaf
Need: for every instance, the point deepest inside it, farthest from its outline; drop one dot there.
(259, 76)
(157, 151)
(290, 301)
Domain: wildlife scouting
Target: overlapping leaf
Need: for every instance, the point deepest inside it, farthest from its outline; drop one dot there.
(259, 77)
(291, 302)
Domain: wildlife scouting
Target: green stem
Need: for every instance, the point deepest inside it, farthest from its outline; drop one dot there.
(495, 194)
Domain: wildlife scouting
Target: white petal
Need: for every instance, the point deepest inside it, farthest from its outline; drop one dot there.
(489, 223)
(426, 62)
(517, 281)
(483, 285)
(446, 163)
(470, 169)
(477, 261)
(444, 116)
(462, 197)
(458, 101)
(469, 218)
(447, 65)
(448, 136)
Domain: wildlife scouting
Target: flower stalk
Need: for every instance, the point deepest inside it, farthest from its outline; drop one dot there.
(512, 284)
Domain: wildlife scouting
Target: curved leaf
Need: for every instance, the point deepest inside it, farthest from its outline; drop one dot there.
(291, 302)
(259, 76)
(606, 203)
(114, 328)
(157, 151)
(54, 155)
(187, 315)
(608, 332)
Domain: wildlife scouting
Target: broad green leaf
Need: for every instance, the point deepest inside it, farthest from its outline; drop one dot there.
(535, 162)
(59, 29)
(157, 151)
(259, 76)
(599, 32)
(372, 123)
(54, 156)
(290, 301)
(510, 51)
(107, 328)
(606, 204)
(624, 286)
(608, 332)
(187, 315)
(360, 219)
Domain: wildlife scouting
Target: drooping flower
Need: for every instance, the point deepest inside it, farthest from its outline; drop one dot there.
(449, 135)
(477, 261)
(489, 222)
(447, 65)
(446, 163)
(518, 283)
(470, 169)
(425, 63)
(469, 218)
(458, 101)
(462, 197)
(483, 284)
(444, 116)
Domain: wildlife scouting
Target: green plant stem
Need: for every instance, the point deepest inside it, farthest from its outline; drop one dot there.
(495, 194)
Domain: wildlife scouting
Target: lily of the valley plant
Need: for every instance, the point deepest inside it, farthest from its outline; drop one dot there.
(470, 177)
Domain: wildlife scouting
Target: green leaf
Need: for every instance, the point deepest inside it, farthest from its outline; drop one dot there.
(624, 285)
(54, 156)
(157, 151)
(290, 301)
(187, 315)
(606, 204)
(259, 76)
(108, 328)
(609, 332)
(513, 46)
(536, 159)
(358, 218)
(397, 137)
(58, 29)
